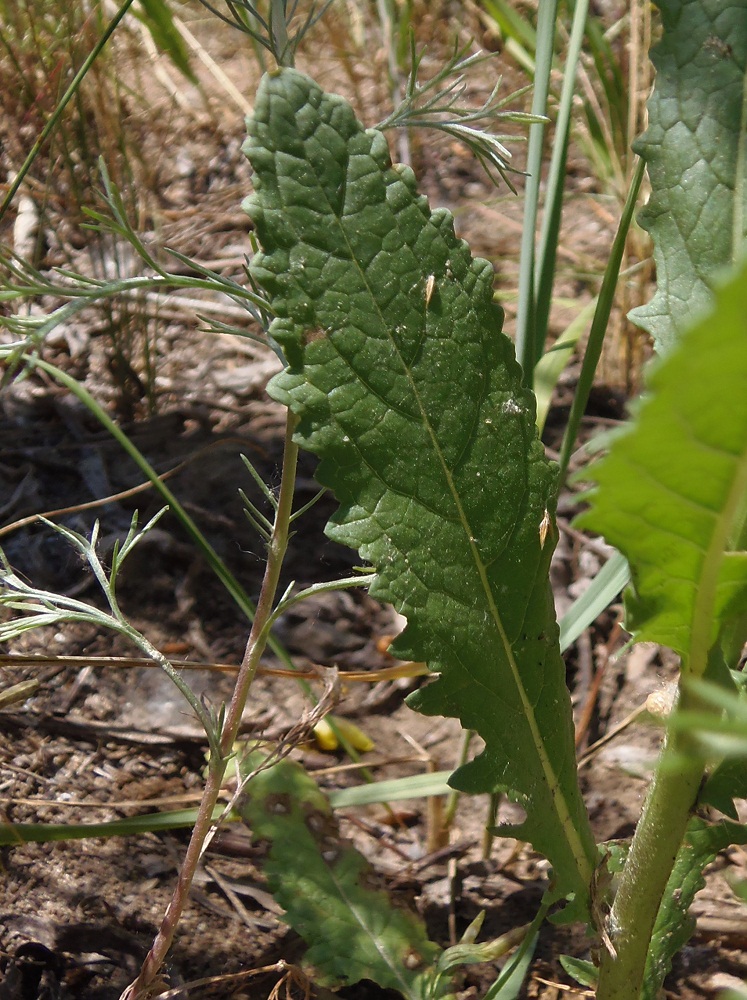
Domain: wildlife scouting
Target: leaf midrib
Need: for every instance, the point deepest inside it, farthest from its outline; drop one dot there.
(393, 963)
(706, 592)
(557, 797)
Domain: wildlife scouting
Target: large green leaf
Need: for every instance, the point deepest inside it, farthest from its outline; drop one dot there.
(695, 152)
(410, 394)
(672, 493)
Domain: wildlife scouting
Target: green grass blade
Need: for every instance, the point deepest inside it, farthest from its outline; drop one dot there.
(511, 23)
(510, 983)
(213, 559)
(41, 833)
(552, 364)
(218, 566)
(62, 104)
(411, 396)
(220, 569)
(615, 102)
(525, 318)
(416, 786)
(604, 588)
(159, 21)
(555, 185)
(599, 323)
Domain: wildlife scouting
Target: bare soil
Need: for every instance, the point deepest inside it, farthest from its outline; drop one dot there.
(96, 743)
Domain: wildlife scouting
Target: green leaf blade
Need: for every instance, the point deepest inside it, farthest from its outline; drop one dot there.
(694, 149)
(671, 493)
(159, 21)
(412, 398)
(353, 930)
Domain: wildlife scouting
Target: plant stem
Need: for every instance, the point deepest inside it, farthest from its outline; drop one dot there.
(658, 837)
(556, 185)
(263, 615)
(279, 33)
(525, 336)
(254, 649)
(220, 569)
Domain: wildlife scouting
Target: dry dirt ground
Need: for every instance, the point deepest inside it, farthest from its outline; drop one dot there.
(96, 743)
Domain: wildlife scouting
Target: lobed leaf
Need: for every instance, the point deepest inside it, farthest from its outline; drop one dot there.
(694, 148)
(411, 396)
(672, 493)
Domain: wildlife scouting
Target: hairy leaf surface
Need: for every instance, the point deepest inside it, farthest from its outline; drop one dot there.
(353, 930)
(694, 148)
(672, 493)
(407, 390)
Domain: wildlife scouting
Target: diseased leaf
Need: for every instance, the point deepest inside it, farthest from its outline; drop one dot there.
(353, 931)
(674, 924)
(672, 493)
(694, 148)
(407, 390)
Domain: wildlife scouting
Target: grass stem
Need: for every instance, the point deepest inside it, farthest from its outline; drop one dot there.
(61, 105)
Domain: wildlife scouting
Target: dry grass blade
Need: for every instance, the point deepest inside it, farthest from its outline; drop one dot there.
(405, 669)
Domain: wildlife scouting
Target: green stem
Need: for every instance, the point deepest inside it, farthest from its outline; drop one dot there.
(661, 829)
(488, 833)
(263, 616)
(555, 186)
(525, 337)
(453, 800)
(279, 33)
(254, 649)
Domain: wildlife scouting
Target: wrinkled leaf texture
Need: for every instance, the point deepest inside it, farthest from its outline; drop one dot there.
(409, 393)
(695, 151)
